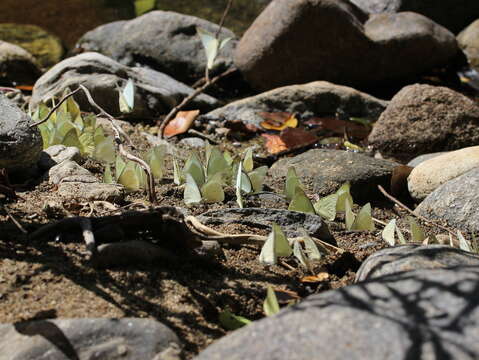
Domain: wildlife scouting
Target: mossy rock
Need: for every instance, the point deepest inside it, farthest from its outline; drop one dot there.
(239, 18)
(44, 46)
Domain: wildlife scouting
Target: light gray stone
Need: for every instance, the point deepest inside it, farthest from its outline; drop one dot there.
(155, 92)
(193, 142)
(56, 154)
(66, 169)
(162, 40)
(468, 41)
(84, 191)
(313, 99)
(455, 202)
(82, 339)
(324, 171)
(432, 173)
(334, 40)
(20, 144)
(421, 158)
(421, 119)
(422, 314)
(413, 257)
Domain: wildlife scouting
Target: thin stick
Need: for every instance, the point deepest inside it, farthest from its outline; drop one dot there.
(400, 204)
(17, 224)
(88, 236)
(190, 97)
(223, 17)
(55, 108)
(203, 136)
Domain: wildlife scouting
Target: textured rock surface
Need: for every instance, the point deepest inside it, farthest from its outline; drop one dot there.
(432, 173)
(422, 119)
(162, 40)
(423, 314)
(312, 99)
(56, 154)
(20, 145)
(324, 171)
(107, 339)
(290, 221)
(66, 170)
(452, 14)
(17, 65)
(455, 202)
(155, 92)
(468, 41)
(84, 191)
(295, 42)
(413, 257)
(45, 47)
(421, 158)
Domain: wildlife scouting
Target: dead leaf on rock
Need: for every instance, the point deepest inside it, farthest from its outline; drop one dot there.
(278, 120)
(295, 138)
(181, 123)
(238, 130)
(338, 126)
(274, 144)
(320, 277)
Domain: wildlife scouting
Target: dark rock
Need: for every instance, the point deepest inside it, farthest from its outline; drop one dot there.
(176, 49)
(313, 99)
(422, 314)
(455, 202)
(413, 257)
(20, 145)
(421, 119)
(468, 41)
(17, 66)
(324, 171)
(107, 339)
(155, 94)
(452, 14)
(45, 47)
(333, 40)
(290, 221)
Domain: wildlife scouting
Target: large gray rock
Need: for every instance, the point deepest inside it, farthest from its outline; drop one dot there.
(295, 42)
(452, 14)
(20, 145)
(423, 314)
(313, 99)
(290, 221)
(455, 202)
(17, 65)
(82, 339)
(468, 40)
(432, 173)
(155, 94)
(413, 257)
(421, 158)
(324, 171)
(57, 154)
(422, 119)
(162, 40)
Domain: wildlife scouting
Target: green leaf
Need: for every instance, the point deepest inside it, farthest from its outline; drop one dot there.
(176, 172)
(105, 151)
(310, 246)
(257, 177)
(276, 245)
(326, 207)
(210, 44)
(301, 202)
(127, 97)
(344, 195)
(215, 163)
(364, 220)
(401, 238)
(107, 176)
(141, 175)
(299, 254)
(192, 194)
(156, 160)
(463, 243)
(129, 177)
(388, 232)
(292, 182)
(194, 167)
(248, 164)
(239, 178)
(348, 214)
(417, 235)
(246, 185)
(228, 157)
(230, 321)
(119, 167)
(143, 6)
(212, 192)
(270, 305)
(71, 139)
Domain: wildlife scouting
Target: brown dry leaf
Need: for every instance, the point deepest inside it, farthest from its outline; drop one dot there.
(295, 138)
(399, 179)
(274, 144)
(286, 296)
(339, 126)
(181, 123)
(278, 121)
(320, 277)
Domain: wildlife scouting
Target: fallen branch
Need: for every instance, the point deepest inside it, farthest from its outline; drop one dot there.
(55, 108)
